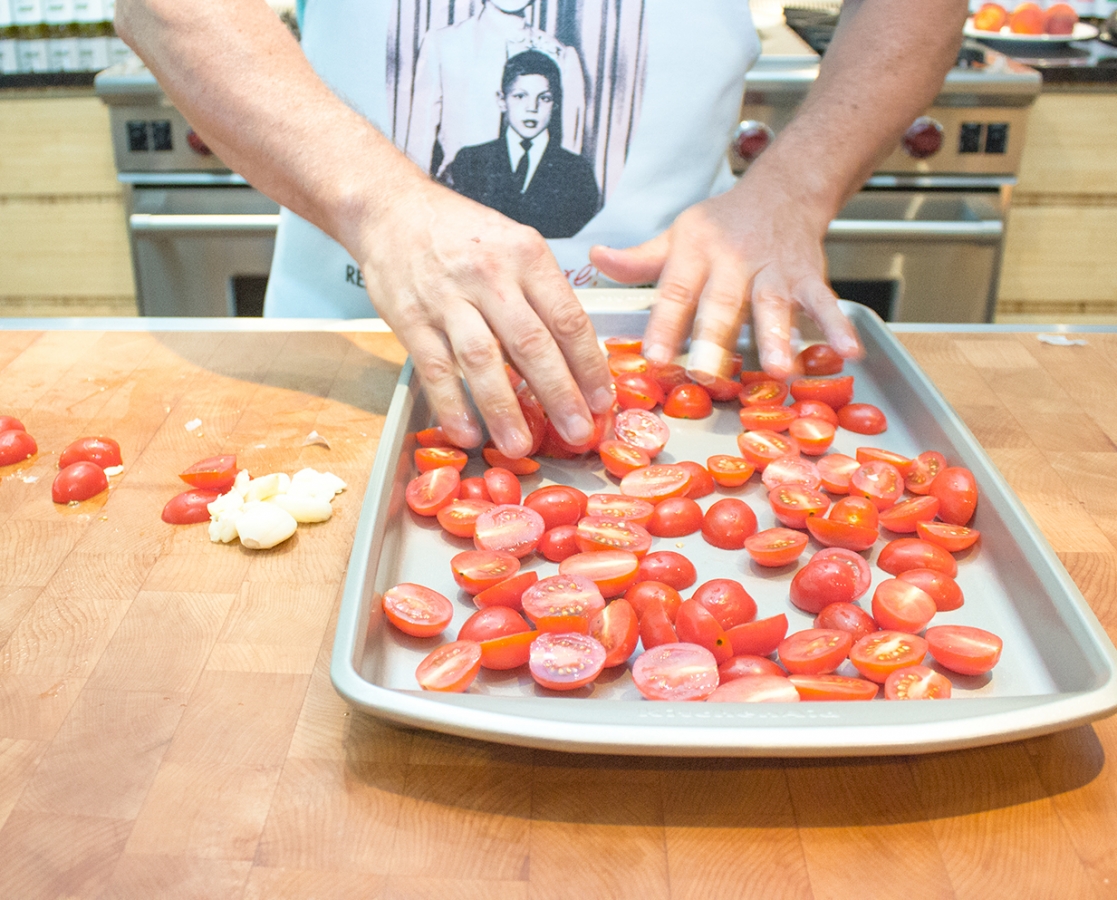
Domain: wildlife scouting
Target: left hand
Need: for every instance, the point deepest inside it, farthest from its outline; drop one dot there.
(753, 247)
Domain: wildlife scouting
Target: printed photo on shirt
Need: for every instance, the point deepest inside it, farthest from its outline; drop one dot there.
(528, 106)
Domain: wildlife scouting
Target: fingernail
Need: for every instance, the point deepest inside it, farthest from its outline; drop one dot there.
(512, 443)
(462, 430)
(777, 361)
(705, 361)
(576, 429)
(602, 400)
(657, 353)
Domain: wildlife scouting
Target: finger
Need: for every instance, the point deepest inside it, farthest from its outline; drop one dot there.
(641, 264)
(680, 285)
(717, 324)
(771, 319)
(438, 373)
(482, 364)
(821, 304)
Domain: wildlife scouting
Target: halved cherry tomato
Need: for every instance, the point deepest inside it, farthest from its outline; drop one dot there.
(559, 542)
(835, 470)
(618, 506)
(668, 375)
(677, 671)
(675, 517)
(558, 504)
(189, 507)
(830, 533)
(943, 589)
(727, 523)
(638, 390)
(473, 488)
(656, 627)
(417, 610)
(856, 563)
(822, 582)
(624, 343)
(956, 490)
(563, 662)
(964, 649)
(451, 667)
(492, 622)
(762, 447)
(622, 363)
(814, 409)
(774, 547)
(902, 554)
(814, 435)
(427, 458)
(742, 666)
(917, 683)
(688, 401)
(426, 494)
(459, 517)
(902, 463)
(819, 359)
(722, 389)
(433, 437)
(756, 689)
(814, 651)
(835, 392)
(618, 630)
(644, 594)
(507, 652)
(78, 481)
(656, 482)
(791, 470)
(862, 418)
(878, 655)
(536, 418)
(760, 637)
(508, 592)
(556, 446)
(10, 423)
(729, 471)
(907, 515)
(844, 616)
(763, 393)
(612, 571)
(695, 624)
(833, 687)
(16, 445)
(642, 429)
(562, 595)
(953, 538)
(476, 570)
(727, 600)
(669, 567)
(881, 482)
(794, 504)
(856, 511)
(503, 485)
(924, 468)
(522, 466)
(216, 473)
(701, 481)
(508, 528)
(620, 458)
(594, 533)
(101, 451)
(748, 376)
(767, 417)
(902, 606)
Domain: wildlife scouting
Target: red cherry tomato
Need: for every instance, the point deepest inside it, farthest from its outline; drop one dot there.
(426, 494)
(956, 491)
(656, 482)
(459, 518)
(835, 470)
(656, 627)
(911, 553)
(953, 538)
(427, 458)
(862, 418)
(669, 567)
(417, 610)
(216, 473)
(564, 662)
(902, 606)
(813, 435)
(638, 390)
(101, 451)
(756, 689)
(791, 470)
(820, 583)
(762, 447)
(814, 651)
(688, 401)
(508, 528)
(532, 411)
(451, 667)
(10, 423)
(881, 482)
(473, 489)
(723, 389)
(701, 481)
(760, 637)
(924, 468)
(794, 504)
(613, 571)
(743, 666)
(507, 652)
(189, 507)
(503, 485)
(763, 393)
(668, 375)
(622, 363)
(557, 504)
(729, 471)
(476, 570)
(727, 600)
(606, 533)
(676, 671)
(774, 547)
(559, 542)
(617, 629)
(833, 687)
(917, 683)
(878, 655)
(563, 595)
(694, 624)
(644, 594)
(507, 593)
(620, 458)
(675, 517)
(433, 437)
(831, 533)
(903, 464)
(814, 409)
(856, 511)
(846, 617)
(907, 515)
(78, 481)
(854, 561)
(943, 589)
(492, 622)
(767, 417)
(819, 359)
(523, 466)
(964, 649)
(618, 506)
(835, 392)
(623, 343)
(642, 429)
(727, 523)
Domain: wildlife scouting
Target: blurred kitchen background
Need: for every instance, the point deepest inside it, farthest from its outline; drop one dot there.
(999, 205)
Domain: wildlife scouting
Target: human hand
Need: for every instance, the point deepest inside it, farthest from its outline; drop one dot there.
(750, 248)
(457, 282)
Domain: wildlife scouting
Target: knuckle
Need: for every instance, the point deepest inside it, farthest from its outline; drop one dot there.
(530, 342)
(569, 320)
(435, 369)
(676, 293)
(478, 353)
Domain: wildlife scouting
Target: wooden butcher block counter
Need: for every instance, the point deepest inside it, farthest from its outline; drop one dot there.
(168, 727)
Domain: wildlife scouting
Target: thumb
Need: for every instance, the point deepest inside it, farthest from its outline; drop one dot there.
(641, 264)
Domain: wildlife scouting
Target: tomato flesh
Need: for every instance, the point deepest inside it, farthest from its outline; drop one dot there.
(964, 649)
(814, 651)
(917, 683)
(776, 547)
(676, 671)
(417, 610)
(451, 667)
(878, 655)
(565, 661)
(215, 473)
(563, 595)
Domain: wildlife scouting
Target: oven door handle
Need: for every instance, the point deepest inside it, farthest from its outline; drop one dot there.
(985, 231)
(147, 223)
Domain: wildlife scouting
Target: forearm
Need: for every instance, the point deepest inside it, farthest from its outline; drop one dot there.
(233, 69)
(885, 65)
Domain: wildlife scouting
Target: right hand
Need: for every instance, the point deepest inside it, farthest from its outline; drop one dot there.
(458, 282)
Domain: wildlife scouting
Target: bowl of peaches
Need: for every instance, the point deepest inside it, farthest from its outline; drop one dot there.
(1028, 22)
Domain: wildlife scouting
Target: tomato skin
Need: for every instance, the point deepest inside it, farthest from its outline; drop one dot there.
(814, 651)
(878, 655)
(694, 624)
(833, 687)
(819, 359)
(819, 584)
(432, 437)
(618, 506)
(668, 375)
(775, 547)
(492, 622)
(564, 662)
(964, 649)
(476, 570)
(459, 517)
(793, 504)
(956, 491)
(473, 488)
(557, 504)
(606, 533)
(924, 468)
(835, 392)
(417, 610)
(620, 458)
(676, 671)
(536, 418)
(862, 418)
(845, 616)
(451, 667)
(856, 562)
(742, 666)
(16, 445)
(831, 533)
(729, 471)
(728, 523)
(426, 494)
(508, 528)
(78, 481)
(859, 511)
(814, 409)
(688, 401)
(835, 470)
(623, 343)
(791, 470)
(902, 463)
(952, 538)
(638, 390)
(523, 466)
(623, 363)
(760, 637)
(756, 689)
(189, 507)
(644, 594)
(642, 429)
(559, 542)
(902, 606)
(617, 629)
(508, 652)
(503, 486)
(911, 553)
(216, 473)
(613, 571)
(10, 423)
(101, 451)
(767, 417)
(814, 435)
(669, 567)
(427, 458)
(881, 482)
(675, 517)
(727, 601)
(762, 447)
(508, 593)
(701, 481)
(917, 683)
(562, 595)
(943, 589)
(907, 515)
(656, 627)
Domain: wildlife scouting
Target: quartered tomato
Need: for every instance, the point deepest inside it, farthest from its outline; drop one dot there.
(956, 490)
(618, 506)
(774, 547)
(727, 523)
(216, 473)
(862, 418)
(638, 390)
(823, 582)
(833, 687)
(760, 637)
(451, 667)
(924, 468)
(607, 533)
(642, 429)
(814, 651)
(101, 451)
(669, 567)
(675, 517)
(508, 528)
(557, 504)
(756, 689)
(943, 589)
(835, 470)
(620, 458)
(878, 655)
(917, 683)
(676, 671)
(417, 610)
(729, 471)
(695, 624)
(794, 504)
(459, 517)
(562, 595)
(476, 570)
(612, 571)
(727, 600)
(902, 606)
(911, 553)
(814, 435)
(844, 616)
(656, 482)
(564, 662)
(964, 649)
(78, 481)
(881, 482)
(189, 507)
(426, 494)
(762, 447)
(617, 629)
(819, 359)
(427, 458)
(763, 393)
(835, 392)
(907, 515)
(688, 401)
(953, 538)
(767, 417)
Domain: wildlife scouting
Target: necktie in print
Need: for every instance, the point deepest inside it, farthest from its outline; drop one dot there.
(520, 175)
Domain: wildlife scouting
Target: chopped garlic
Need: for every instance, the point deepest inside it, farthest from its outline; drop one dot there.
(267, 486)
(263, 525)
(304, 507)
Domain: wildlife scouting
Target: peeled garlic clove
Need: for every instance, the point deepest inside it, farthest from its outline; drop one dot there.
(263, 525)
(222, 530)
(317, 483)
(304, 507)
(267, 486)
(240, 483)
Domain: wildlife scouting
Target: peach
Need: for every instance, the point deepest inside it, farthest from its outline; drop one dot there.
(990, 17)
(1027, 18)
(1059, 18)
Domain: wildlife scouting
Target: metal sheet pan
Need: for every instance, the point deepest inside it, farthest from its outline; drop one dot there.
(1057, 669)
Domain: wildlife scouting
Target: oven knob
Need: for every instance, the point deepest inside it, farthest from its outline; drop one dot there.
(752, 139)
(197, 144)
(923, 139)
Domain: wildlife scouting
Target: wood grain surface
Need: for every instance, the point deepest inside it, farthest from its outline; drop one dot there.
(168, 727)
